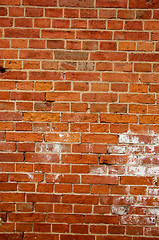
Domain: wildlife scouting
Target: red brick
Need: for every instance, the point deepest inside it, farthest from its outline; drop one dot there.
(73, 45)
(99, 180)
(78, 159)
(25, 147)
(79, 107)
(126, 67)
(50, 3)
(58, 34)
(98, 229)
(110, 237)
(62, 208)
(118, 108)
(88, 13)
(80, 76)
(53, 12)
(69, 55)
(80, 199)
(33, 12)
(108, 56)
(26, 177)
(40, 157)
(23, 22)
(22, 33)
(128, 46)
(97, 189)
(55, 44)
(4, 207)
(136, 180)
(42, 23)
(61, 178)
(11, 157)
(3, 11)
(9, 236)
(116, 229)
(40, 236)
(64, 218)
(12, 197)
(83, 229)
(97, 24)
(144, 4)
(4, 43)
(99, 97)
(118, 118)
(134, 230)
(133, 36)
(40, 207)
(111, 4)
(144, 57)
(82, 188)
(115, 25)
(60, 168)
(24, 207)
(102, 66)
(71, 13)
(76, 3)
(63, 188)
(97, 219)
(126, 14)
(22, 167)
(80, 169)
(108, 46)
(78, 237)
(56, 23)
(137, 98)
(42, 227)
(100, 35)
(144, 14)
(17, 136)
(26, 187)
(99, 138)
(26, 217)
(38, 197)
(80, 24)
(41, 117)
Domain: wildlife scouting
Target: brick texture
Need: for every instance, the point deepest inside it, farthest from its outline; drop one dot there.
(79, 120)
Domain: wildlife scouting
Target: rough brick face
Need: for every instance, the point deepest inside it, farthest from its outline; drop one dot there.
(79, 119)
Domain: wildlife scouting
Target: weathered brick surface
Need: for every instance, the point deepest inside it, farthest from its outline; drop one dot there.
(79, 119)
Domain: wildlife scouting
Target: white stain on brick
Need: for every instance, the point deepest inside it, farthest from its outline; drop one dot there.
(119, 210)
(153, 191)
(153, 211)
(153, 171)
(137, 152)
(139, 170)
(57, 148)
(123, 138)
(30, 176)
(56, 177)
(117, 149)
(102, 170)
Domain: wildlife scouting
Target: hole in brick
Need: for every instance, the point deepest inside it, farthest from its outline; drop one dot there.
(2, 70)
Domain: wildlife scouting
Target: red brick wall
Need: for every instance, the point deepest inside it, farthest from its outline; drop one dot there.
(79, 119)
